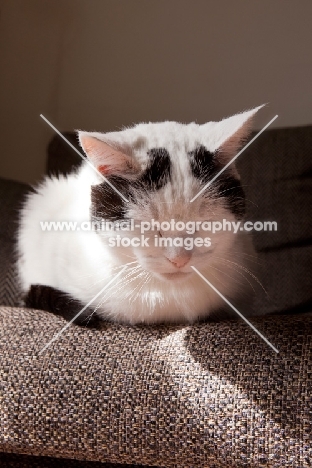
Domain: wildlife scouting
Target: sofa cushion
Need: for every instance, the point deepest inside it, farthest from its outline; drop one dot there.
(208, 395)
(276, 173)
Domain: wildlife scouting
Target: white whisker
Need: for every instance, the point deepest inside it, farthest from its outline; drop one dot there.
(245, 269)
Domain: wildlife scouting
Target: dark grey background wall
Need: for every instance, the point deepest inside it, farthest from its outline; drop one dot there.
(103, 64)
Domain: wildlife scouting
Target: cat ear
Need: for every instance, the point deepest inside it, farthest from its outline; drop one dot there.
(228, 135)
(233, 132)
(107, 159)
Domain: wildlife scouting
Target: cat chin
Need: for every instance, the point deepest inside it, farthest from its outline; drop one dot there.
(175, 276)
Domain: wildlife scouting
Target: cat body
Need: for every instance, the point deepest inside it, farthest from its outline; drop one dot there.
(157, 169)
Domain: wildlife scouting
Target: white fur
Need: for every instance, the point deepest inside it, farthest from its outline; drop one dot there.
(81, 263)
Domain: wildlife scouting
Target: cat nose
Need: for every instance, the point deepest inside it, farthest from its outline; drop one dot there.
(179, 261)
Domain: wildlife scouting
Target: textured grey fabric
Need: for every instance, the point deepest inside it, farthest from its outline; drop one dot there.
(208, 395)
(286, 276)
(276, 172)
(11, 460)
(12, 195)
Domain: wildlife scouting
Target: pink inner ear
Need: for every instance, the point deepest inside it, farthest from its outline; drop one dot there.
(106, 159)
(103, 169)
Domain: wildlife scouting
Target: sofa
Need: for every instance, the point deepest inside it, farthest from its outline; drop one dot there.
(208, 395)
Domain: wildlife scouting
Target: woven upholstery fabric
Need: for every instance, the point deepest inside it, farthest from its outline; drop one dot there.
(12, 195)
(208, 395)
(12, 460)
(276, 172)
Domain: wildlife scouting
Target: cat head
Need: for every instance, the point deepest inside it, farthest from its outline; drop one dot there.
(158, 169)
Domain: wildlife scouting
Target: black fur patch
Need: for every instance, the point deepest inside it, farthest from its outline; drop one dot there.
(205, 166)
(106, 203)
(158, 172)
(230, 188)
(59, 303)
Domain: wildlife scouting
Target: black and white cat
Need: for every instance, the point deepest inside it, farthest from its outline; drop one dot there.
(158, 168)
